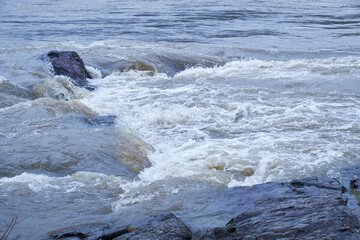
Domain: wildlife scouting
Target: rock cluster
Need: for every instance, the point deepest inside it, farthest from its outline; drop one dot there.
(311, 208)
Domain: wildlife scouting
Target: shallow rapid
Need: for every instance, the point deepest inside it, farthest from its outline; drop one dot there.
(190, 99)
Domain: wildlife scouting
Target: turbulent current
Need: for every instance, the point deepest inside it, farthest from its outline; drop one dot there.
(190, 99)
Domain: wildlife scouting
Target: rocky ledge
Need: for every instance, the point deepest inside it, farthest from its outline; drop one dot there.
(311, 208)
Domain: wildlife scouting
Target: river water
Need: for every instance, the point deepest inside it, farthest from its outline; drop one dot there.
(192, 97)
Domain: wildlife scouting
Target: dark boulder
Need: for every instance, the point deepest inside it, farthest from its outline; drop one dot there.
(312, 208)
(93, 231)
(160, 227)
(87, 231)
(69, 63)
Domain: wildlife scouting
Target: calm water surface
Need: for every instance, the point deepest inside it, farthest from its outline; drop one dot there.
(191, 98)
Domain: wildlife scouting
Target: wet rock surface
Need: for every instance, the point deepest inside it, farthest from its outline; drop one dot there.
(160, 227)
(88, 231)
(79, 138)
(69, 63)
(311, 208)
(350, 179)
(95, 231)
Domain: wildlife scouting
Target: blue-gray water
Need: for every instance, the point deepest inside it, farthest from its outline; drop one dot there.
(206, 95)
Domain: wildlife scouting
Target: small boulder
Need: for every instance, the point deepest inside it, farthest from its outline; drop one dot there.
(69, 63)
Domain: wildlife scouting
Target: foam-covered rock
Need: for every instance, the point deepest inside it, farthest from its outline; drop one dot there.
(59, 88)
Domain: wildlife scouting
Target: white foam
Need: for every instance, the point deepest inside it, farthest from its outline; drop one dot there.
(72, 183)
(212, 132)
(259, 69)
(94, 72)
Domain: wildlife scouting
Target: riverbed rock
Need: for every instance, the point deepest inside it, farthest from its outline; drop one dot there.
(312, 208)
(160, 227)
(69, 63)
(87, 231)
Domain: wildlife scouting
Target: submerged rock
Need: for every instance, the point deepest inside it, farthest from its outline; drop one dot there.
(9, 100)
(11, 94)
(69, 63)
(61, 138)
(101, 120)
(60, 89)
(9, 88)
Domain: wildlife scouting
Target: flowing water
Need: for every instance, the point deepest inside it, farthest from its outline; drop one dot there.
(192, 97)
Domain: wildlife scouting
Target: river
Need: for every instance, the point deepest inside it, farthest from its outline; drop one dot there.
(191, 98)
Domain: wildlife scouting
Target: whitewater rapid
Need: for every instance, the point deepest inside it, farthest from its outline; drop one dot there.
(243, 123)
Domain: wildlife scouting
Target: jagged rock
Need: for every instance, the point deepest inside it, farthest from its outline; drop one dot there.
(312, 208)
(69, 63)
(160, 227)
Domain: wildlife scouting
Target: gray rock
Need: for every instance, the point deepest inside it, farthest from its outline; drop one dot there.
(160, 227)
(350, 178)
(204, 234)
(312, 208)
